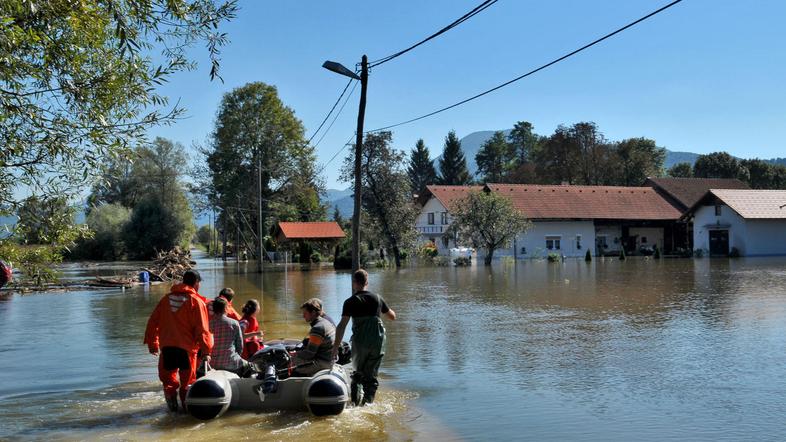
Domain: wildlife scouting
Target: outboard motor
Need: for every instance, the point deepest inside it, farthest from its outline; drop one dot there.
(270, 380)
(326, 394)
(275, 355)
(210, 396)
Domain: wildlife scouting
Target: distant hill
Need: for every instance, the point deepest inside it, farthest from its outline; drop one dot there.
(341, 199)
(471, 143)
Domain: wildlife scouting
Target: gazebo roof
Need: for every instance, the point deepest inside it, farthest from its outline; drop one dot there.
(322, 230)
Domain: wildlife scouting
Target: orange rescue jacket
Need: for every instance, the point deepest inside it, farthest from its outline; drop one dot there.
(180, 320)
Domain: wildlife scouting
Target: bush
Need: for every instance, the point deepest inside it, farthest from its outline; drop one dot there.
(734, 253)
(588, 256)
(316, 257)
(553, 257)
(462, 261)
(108, 223)
(441, 261)
(154, 226)
(429, 250)
(698, 253)
(657, 253)
(622, 254)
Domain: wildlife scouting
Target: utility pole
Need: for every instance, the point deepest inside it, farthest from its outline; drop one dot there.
(259, 211)
(358, 156)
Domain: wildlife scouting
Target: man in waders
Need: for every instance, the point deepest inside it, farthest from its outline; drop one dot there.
(368, 336)
(178, 330)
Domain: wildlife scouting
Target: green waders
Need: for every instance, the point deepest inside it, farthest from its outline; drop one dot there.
(368, 347)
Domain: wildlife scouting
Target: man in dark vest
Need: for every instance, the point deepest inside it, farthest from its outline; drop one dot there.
(368, 336)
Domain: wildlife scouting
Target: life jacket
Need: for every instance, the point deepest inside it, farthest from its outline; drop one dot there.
(5, 274)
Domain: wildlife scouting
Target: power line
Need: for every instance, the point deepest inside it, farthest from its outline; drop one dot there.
(331, 111)
(532, 71)
(478, 9)
(337, 114)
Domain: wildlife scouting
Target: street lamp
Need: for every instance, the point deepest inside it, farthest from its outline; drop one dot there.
(342, 70)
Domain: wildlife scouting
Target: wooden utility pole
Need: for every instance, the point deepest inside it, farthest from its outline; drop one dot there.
(259, 211)
(358, 157)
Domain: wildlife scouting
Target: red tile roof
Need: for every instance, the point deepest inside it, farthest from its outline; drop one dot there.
(587, 202)
(754, 204)
(688, 191)
(311, 230)
(446, 195)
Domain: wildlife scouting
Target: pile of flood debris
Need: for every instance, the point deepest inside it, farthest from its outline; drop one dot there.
(171, 265)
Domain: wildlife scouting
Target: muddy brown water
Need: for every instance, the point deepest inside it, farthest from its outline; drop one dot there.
(610, 350)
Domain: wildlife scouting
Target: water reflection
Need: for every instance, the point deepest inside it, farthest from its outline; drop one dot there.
(636, 349)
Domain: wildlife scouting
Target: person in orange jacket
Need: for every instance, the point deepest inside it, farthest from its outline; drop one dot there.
(178, 330)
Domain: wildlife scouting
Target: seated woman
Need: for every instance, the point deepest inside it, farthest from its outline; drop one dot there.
(227, 341)
(251, 334)
(317, 352)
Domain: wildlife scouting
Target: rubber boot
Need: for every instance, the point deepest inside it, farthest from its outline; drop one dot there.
(171, 402)
(370, 391)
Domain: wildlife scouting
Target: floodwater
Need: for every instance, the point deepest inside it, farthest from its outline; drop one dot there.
(609, 350)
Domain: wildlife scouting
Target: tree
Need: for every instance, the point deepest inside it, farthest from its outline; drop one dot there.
(204, 236)
(488, 219)
(453, 165)
(386, 195)
(78, 82)
(523, 142)
(557, 160)
(254, 128)
(638, 159)
(494, 158)
(594, 153)
(421, 168)
(108, 223)
(155, 226)
(44, 221)
(761, 174)
(681, 170)
(719, 165)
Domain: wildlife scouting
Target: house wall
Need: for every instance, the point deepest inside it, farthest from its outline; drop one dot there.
(613, 235)
(705, 220)
(765, 237)
(427, 232)
(654, 236)
(534, 240)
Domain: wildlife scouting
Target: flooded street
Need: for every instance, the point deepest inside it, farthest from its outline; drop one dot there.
(608, 350)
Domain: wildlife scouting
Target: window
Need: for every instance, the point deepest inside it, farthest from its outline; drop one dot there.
(644, 240)
(445, 241)
(553, 242)
(444, 218)
(431, 218)
(717, 210)
(578, 242)
(602, 241)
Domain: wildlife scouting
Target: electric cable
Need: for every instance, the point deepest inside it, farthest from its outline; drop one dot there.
(478, 9)
(530, 72)
(337, 115)
(331, 111)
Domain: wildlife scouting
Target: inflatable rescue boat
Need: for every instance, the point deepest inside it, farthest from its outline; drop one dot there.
(270, 388)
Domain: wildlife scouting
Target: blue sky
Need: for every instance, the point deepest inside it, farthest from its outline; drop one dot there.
(702, 76)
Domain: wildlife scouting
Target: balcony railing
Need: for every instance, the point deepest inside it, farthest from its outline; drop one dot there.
(430, 229)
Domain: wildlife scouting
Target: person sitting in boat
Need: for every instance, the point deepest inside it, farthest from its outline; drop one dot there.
(251, 334)
(228, 294)
(227, 340)
(318, 304)
(317, 352)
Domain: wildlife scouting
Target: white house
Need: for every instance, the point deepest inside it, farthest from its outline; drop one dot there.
(751, 221)
(434, 217)
(569, 220)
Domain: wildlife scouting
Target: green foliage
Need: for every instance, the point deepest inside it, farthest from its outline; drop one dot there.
(622, 254)
(487, 219)
(78, 82)
(698, 253)
(553, 257)
(156, 226)
(316, 257)
(108, 223)
(657, 252)
(681, 170)
(764, 175)
(462, 261)
(429, 250)
(719, 165)
(45, 221)
(453, 165)
(386, 194)
(588, 256)
(523, 141)
(637, 159)
(257, 136)
(494, 158)
(205, 236)
(421, 170)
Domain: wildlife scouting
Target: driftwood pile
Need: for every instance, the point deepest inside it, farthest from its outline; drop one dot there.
(171, 265)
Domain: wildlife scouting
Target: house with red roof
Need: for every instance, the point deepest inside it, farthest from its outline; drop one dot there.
(570, 220)
(434, 217)
(742, 222)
